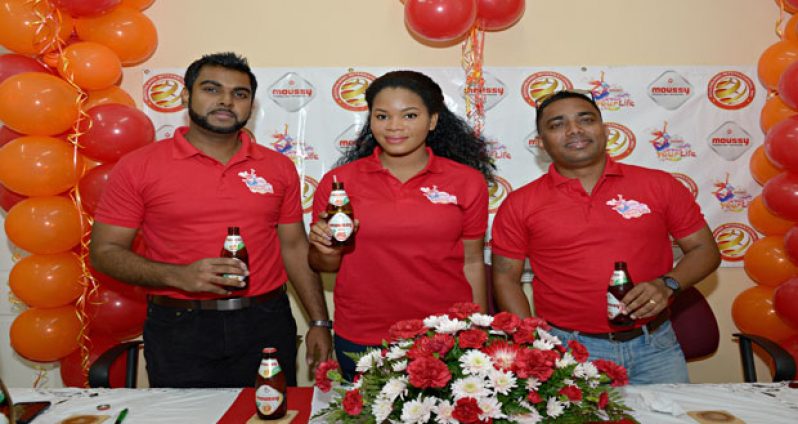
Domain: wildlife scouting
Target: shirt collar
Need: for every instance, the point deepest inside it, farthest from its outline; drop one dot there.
(373, 164)
(183, 149)
(611, 168)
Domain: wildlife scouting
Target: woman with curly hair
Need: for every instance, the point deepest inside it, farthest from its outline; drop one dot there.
(417, 181)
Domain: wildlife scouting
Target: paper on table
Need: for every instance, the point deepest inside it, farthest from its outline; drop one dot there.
(654, 402)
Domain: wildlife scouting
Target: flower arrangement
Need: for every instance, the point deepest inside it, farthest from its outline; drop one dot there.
(468, 367)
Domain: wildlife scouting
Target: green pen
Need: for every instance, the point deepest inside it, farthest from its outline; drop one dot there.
(121, 416)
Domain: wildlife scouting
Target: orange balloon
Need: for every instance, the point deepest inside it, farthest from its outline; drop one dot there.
(112, 94)
(39, 166)
(137, 4)
(46, 334)
(767, 262)
(92, 66)
(762, 169)
(791, 28)
(752, 312)
(774, 111)
(44, 225)
(21, 30)
(126, 31)
(774, 60)
(38, 104)
(764, 221)
(47, 281)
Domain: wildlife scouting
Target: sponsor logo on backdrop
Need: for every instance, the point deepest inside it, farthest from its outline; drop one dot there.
(533, 143)
(670, 147)
(162, 93)
(493, 89)
(292, 92)
(729, 141)
(733, 240)
(670, 90)
(731, 198)
(349, 91)
(542, 84)
(346, 140)
(688, 182)
(497, 191)
(621, 141)
(497, 150)
(309, 186)
(610, 97)
(285, 143)
(731, 90)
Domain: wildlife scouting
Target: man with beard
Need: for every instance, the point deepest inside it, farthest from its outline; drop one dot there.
(576, 221)
(180, 195)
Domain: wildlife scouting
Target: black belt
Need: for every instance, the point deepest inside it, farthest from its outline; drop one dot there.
(227, 304)
(626, 335)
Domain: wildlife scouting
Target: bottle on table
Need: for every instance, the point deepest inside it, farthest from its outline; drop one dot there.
(340, 216)
(270, 387)
(234, 248)
(620, 284)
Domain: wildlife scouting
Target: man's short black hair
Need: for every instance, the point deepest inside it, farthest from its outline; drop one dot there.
(228, 60)
(560, 95)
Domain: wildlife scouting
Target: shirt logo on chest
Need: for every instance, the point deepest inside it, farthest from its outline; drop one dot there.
(628, 208)
(255, 183)
(438, 197)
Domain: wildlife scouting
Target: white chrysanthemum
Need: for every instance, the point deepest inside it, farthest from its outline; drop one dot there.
(396, 352)
(491, 408)
(543, 344)
(554, 408)
(473, 387)
(545, 335)
(586, 370)
(475, 362)
(417, 411)
(443, 411)
(481, 320)
(371, 359)
(450, 326)
(394, 388)
(381, 409)
(532, 384)
(533, 417)
(433, 320)
(502, 381)
(399, 366)
(406, 344)
(568, 382)
(566, 360)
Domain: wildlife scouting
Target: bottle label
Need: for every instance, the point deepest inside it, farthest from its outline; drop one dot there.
(269, 368)
(233, 243)
(618, 278)
(268, 399)
(341, 226)
(338, 198)
(614, 306)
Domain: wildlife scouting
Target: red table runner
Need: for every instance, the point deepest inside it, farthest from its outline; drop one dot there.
(299, 399)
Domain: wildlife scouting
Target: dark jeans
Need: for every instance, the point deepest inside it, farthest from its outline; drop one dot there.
(193, 348)
(348, 365)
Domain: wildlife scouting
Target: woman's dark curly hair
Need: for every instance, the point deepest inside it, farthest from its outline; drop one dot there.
(452, 138)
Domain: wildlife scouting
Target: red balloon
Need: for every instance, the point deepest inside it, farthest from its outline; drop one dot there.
(494, 15)
(116, 130)
(9, 198)
(7, 134)
(128, 290)
(791, 244)
(92, 184)
(72, 364)
(781, 144)
(116, 315)
(12, 64)
(752, 312)
(780, 195)
(78, 8)
(788, 86)
(774, 60)
(785, 302)
(440, 20)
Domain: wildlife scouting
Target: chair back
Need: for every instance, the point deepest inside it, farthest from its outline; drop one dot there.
(100, 370)
(695, 324)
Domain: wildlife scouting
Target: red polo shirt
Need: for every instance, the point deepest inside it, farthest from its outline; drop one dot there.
(183, 201)
(573, 238)
(408, 256)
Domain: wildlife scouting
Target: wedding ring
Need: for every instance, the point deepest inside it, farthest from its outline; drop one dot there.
(652, 301)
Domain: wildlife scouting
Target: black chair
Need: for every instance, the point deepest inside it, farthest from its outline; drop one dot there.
(100, 370)
(783, 362)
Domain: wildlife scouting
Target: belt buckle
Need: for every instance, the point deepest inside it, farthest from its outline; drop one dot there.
(232, 304)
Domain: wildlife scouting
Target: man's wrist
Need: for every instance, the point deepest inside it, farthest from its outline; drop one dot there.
(321, 323)
(671, 283)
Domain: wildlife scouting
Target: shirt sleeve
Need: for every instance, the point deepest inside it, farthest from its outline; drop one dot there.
(683, 214)
(291, 207)
(475, 210)
(509, 233)
(121, 202)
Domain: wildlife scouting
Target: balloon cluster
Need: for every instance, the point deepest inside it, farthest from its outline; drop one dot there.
(450, 20)
(770, 308)
(66, 124)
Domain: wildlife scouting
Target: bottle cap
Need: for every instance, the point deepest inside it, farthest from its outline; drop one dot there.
(269, 350)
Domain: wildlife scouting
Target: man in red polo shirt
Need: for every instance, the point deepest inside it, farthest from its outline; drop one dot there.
(576, 221)
(181, 194)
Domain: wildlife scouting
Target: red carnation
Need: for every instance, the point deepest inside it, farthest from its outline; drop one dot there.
(427, 346)
(578, 351)
(573, 393)
(467, 410)
(323, 381)
(428, 372)
(615, 372)
(506, 322)
(534, 363)
(603, 400)
(353, 402)
(407, 329)
(534, 397)
(463, 310)
(472, 339)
